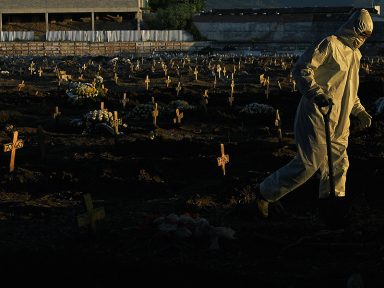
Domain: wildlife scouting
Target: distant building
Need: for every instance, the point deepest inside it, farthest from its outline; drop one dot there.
(18, 10)
(298, 26)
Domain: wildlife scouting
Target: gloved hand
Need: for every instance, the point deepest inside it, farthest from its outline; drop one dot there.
(322, 100)
(365, 119)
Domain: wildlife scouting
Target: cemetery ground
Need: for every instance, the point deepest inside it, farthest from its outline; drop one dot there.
(163, 210)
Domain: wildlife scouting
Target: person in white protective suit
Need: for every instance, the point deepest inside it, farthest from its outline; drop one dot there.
(327, 71)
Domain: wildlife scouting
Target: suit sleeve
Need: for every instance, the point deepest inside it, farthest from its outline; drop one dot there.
(304, 70)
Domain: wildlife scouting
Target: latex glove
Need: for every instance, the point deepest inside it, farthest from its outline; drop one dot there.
(322, 100)
(365, 119)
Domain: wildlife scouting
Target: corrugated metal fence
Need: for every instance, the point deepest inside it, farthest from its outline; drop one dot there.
(101, 36)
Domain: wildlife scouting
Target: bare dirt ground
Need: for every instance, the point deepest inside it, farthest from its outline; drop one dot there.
(148, 172)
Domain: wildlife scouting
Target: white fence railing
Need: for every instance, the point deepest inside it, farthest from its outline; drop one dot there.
(9, 36)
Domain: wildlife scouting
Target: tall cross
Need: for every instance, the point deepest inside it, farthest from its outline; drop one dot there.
(40, 71)
(267, 90)
(56, 113)
(232, 87)
(225, 71)
(219, 70)
(196, 73)
(116, 122)
(155, 114)
(147, 81)
(125, 100)
(168, 81)
(92, 215)
(12, 147)
(115, 77)
(205, 96)
(223, 159)
(278, 125)
(21, 86)
(31, 67)
(178, 88)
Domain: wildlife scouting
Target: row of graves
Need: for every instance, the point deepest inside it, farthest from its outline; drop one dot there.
(166, 139)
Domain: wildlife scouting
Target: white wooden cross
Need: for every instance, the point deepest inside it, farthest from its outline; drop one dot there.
(147, 81)
(196, 72)
(267, 90)
(125, 100)
(278, 125)
(116, 122)
(155, 114)
(218, 69)
(168, 81)
(178, 88)
(21, 85)
(92, 215)
(40, 71)
(31, 67)
(232, 87)
(12, 147)
(223, 160)
(225, 71)
(179, 116)
(115, 77)
(205, 96)
(56, 113)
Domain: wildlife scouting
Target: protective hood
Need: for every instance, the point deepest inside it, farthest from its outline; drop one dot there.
(357, 29)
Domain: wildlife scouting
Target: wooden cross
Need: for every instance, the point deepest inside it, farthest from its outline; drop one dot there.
(147, 81)
(92, 215)
(179, 116)
(178, 88)
(56, 113)
(165, 71)
(214, 82)
(168, 81)
(21, 86)
(155, 114)
(205, 96)
(12, 147)
(115, 77)
(225, 71)
(232, 87)
(231, 100)
(40, 71)
(125, 100)
(278, 125)
(267, 90)
(116, 122)
(223, 160)
(234, 69)
(31, 67)
(219, 70)
(84, 67)
(196, 73)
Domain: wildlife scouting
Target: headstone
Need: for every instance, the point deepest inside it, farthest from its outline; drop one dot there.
(179, 116)
(168, 81)
(147, 81)
(155, 114)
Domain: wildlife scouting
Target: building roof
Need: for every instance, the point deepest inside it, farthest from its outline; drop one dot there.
(68, 6)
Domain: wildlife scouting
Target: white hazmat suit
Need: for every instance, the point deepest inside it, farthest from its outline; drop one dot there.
(329, 68)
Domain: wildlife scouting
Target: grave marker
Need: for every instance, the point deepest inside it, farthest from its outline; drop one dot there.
(278, 125)
(125, 100)
(196, 72)
(147, 81)
(12, 147)
(178, 88)
(92, 214)
(223, 159)
(21, 85)
(205, 96)
(168, 81)
(179, 116)
(155, 114)
(116, 122)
